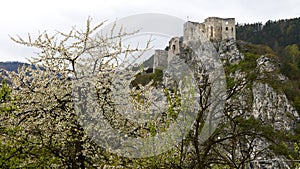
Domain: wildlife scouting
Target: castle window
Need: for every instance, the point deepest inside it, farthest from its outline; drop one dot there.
(232, 30)
(226, 28)
(173, 47)
(211, 31)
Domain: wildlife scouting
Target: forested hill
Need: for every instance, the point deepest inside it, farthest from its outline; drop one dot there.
(276, 34)
(12, 66)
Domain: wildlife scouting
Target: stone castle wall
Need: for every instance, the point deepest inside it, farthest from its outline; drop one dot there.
(213, 28)
(192, 30)
(160, 59)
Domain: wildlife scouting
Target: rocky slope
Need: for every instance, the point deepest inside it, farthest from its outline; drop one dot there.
(268, 104)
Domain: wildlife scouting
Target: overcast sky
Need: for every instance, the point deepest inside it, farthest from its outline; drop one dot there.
(19, 17)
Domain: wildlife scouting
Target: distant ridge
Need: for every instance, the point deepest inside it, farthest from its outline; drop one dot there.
(12, 66)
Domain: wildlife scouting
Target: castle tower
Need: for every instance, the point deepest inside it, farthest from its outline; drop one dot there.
(228, 29)
(220, 28)
(175, 47)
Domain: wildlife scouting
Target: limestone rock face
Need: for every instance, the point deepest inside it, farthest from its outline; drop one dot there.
(269, 105)
(266, 64)
(273, 108)
(229, 51)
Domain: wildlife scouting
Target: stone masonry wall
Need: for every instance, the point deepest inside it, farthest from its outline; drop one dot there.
(160, 59)
(214, 28)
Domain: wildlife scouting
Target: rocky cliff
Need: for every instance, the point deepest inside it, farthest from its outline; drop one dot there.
(267, 104)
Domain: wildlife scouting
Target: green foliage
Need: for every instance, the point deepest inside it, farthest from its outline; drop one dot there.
(290, 62)
(296, 155)
(252, 52)
(17, 151)
(174, 103)
(249, 63)
(290, 68)
(255, 49)
(152, 128)
(145, 78)
(4, 92)
(293, 53)
(10, 156)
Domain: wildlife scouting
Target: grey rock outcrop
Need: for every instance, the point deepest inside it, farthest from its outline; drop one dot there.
(273, 108)
(228, 51)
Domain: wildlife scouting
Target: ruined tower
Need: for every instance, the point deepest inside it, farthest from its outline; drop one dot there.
(214, 28)
(220, 28)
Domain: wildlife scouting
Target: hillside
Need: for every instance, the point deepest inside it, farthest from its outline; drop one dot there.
(283, 37)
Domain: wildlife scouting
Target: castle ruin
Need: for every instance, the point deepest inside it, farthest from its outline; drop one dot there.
(213, 28)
